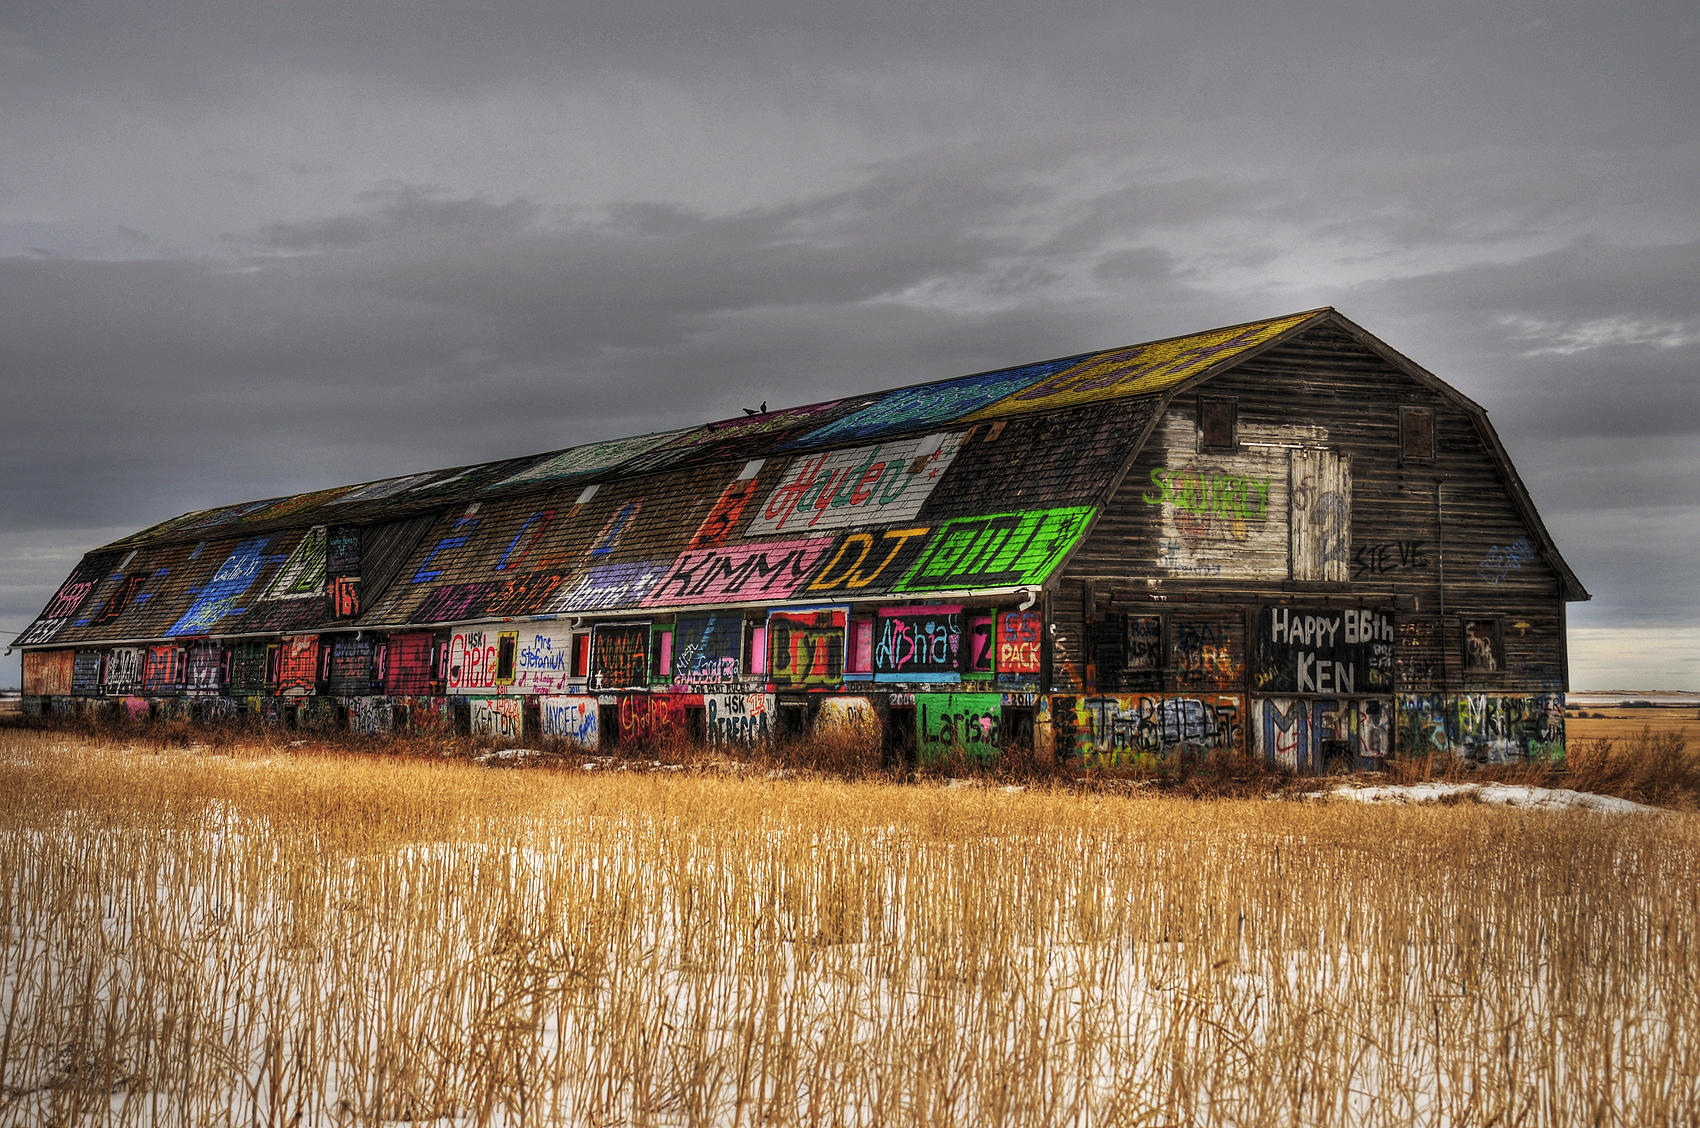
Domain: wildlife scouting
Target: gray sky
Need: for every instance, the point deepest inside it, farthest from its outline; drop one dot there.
(248, 249)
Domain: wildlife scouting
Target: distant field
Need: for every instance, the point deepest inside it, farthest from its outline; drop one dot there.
(1617, 723)
(260, 937)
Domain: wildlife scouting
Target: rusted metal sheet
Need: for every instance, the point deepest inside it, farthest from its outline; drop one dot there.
(48, 672)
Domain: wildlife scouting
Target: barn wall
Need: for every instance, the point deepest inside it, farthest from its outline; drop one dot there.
(1195, 541)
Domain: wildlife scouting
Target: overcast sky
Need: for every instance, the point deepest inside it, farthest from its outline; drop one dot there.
(253, 248)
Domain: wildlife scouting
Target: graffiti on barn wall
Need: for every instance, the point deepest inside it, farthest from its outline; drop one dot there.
(919, 644)
(370, 716)
(298, 666)
(881, 484)
(610, 586)
(1326, 651)
(646, 718)
(1207, 650)
(502, 717)
(1391, 556)
(738, 718)
(619, 656)
(744, 573)
(123, 670)
(806, 646)
(407, 664)
(1311, 734)
(570, 718)
(856, 714)
(1484, 727)
(965, 723)
(472, 664)
(1219, 515)
(1018, 639)
(869, 561)
(85, 672)
(707, 648)
(723, 519)
(163, 668)
(543, 662)
(225, 588)
(206, 670)
(979, 654)
(1000, 550)
(1502, 560)
(1145, 730)
(68, 600)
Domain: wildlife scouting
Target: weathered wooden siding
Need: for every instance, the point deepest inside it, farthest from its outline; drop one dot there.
(1330, 408)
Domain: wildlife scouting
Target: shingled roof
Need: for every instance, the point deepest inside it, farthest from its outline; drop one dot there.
(981, 484)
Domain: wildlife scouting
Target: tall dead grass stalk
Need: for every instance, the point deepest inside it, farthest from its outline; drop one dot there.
(261, 938)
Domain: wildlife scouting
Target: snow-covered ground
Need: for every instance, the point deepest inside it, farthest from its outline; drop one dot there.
(1503, 794)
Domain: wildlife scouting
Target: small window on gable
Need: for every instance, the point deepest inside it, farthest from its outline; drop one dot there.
(1416, 434)
(1217, 416)
(1484, 646)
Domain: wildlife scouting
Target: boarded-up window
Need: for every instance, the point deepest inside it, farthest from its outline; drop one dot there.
(662, 660)
(1207, 649)
(507, 648)
(1144, 642)
(806, 646)
(206, 669)
(620, 655)
(1018, 634)
(248, 668)
(706, 648)
(350, 666)
(163, 668)
(407, 665)
(1321, 505)
(298, 666)
(755, 658)
(85, 672)
(1484, 646)
(1216, 418)
(1416, 434)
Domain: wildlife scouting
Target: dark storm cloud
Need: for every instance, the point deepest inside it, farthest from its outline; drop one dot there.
(430, 331)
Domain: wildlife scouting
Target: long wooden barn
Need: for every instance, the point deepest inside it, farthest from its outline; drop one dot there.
(1282, 536)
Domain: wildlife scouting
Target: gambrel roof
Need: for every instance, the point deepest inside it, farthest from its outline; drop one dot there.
(979, 485)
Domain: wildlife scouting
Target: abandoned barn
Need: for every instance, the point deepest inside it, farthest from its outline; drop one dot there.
(1282, 536)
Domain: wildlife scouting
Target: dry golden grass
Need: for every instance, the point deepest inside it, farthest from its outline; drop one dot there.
(267, 937)
(1613, 723)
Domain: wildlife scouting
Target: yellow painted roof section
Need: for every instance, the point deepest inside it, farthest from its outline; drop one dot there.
(1139, 369)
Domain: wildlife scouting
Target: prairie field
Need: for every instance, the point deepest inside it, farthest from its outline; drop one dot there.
(1613, 722)
(267, 936)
